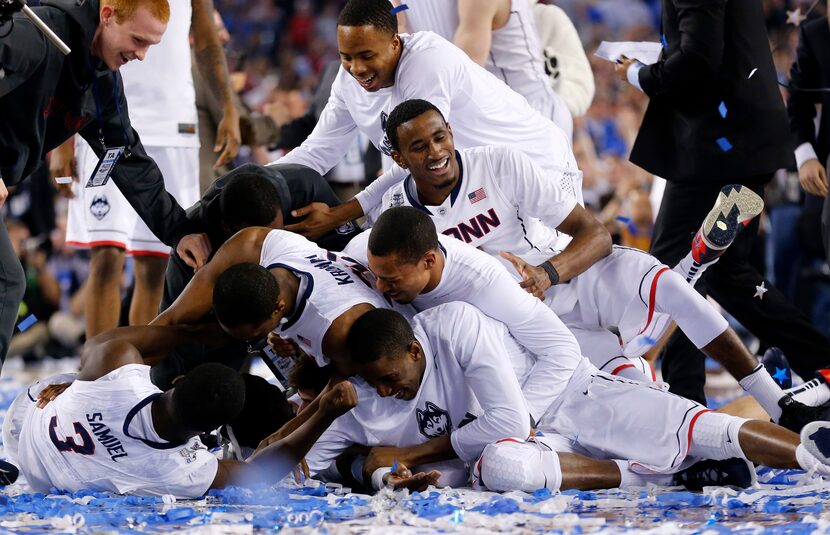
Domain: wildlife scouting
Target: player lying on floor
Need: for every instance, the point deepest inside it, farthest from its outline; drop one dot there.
(306, 293)
(113, 430)
(442, 390)
(497, 199)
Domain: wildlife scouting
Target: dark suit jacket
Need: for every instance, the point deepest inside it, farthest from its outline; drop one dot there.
(715, 51)
(811, 70)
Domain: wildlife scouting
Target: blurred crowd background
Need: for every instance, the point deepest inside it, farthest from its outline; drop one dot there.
(277, 50)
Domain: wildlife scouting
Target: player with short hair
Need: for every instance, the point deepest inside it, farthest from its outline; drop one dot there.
(496, 199)
(264, 280)
(443, 394)
(381, 68)
(113, 430)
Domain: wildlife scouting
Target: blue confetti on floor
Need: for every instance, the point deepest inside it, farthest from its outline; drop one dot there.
(784, 502)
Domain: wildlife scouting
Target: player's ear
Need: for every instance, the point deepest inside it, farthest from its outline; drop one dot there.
(398, 159)
(106, 13)
(429, 259)
(414, 350)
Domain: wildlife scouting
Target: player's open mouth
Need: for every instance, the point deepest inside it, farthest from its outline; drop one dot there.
(440, 167)
(399, 394)
(124, 59)
(367, 82)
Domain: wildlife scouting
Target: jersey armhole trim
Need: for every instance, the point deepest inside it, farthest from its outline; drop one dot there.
(153, 444)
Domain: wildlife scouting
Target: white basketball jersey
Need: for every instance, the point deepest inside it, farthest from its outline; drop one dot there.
(502, 202)
(474, 277)
(515, 55)
(468, 391)
(481, 109)
(99, 435)
(329, 286)
(159, 90)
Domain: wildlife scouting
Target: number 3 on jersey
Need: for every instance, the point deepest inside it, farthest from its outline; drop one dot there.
(87, 446)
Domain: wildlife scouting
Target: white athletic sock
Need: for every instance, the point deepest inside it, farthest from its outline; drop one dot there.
(765, 390)
(691, 270)
(633, 479)
(812, 393)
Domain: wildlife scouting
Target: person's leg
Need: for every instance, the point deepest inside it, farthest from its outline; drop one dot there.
(12, 288)
(149, 286)
(683, 208)
(101, 309)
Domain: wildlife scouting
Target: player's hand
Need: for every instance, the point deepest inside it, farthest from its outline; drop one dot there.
(340, 399)
(319, 219)
(535, 280)
(813, 177)
(403, 478)
(621, 67)
(4, 193)
(50, 393)
(284, 347)
(194, 249)
(301, 472)
(228, 138)
(380, 456)
(62, 163)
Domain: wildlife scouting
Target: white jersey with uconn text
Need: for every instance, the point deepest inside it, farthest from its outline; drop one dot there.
(99, 435)
(329, 286)
(481, 109)
(468, 391)
(488, 208)
(474, 277)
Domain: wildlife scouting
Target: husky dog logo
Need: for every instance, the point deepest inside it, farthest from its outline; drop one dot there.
(99, 206)
(385, 145)
(433, 421)
(397, 200)
(346, 229)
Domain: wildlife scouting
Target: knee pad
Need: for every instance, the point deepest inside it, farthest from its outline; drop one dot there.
(513, 464)
(715, 436)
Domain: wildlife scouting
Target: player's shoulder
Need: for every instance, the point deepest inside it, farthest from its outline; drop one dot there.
(464, 258)
(429, 46)
(285, 242)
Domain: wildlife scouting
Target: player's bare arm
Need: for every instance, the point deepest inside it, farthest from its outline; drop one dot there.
(591, 242)
(196, 301)
(476, 21)
(275, 461)
(210, 59)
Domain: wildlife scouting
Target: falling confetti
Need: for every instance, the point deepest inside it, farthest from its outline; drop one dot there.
(722, 109)
(26, 323)
(753, 72)
(724, 144)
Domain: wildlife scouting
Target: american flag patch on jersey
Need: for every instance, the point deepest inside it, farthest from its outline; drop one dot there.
(477, 195)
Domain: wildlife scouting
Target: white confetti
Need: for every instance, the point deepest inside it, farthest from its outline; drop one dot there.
(753, 72)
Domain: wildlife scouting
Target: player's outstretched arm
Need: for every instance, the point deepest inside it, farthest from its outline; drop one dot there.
(591, 243)
(274, 462)
(196, 301)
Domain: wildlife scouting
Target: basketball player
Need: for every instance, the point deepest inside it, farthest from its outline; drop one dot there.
(380, 69)
(502, 37)
(163, 109)
(112, 430)
(264, 280)
(413, 265)
(441, 393)
(497, 200)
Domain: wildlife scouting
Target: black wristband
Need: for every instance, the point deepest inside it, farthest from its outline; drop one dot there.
(553, 275)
